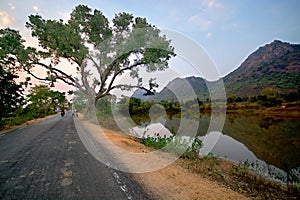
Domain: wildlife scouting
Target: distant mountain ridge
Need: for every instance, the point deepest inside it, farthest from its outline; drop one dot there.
(274, 65)
(179, 89)
(184, 88)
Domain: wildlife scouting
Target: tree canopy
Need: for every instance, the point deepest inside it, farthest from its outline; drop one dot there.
(11, 95)
(98, 50)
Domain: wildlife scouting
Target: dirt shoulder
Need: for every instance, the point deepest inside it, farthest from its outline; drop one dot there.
(203, 178)
(173, 181)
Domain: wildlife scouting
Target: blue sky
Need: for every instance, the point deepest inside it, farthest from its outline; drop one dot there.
(228, 30)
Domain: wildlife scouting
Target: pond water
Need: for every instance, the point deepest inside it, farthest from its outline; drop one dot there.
(270, 144)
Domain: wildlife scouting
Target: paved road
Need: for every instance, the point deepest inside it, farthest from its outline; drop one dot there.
(47, 160)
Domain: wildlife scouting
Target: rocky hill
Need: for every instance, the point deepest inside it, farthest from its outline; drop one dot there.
(275, 65)
(184, 89)
(179, 89)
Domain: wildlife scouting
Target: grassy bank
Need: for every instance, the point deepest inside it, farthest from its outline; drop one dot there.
(21, 120)
(238, 177)
(285, 110)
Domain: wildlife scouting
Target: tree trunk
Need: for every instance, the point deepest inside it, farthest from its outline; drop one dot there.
(91, 109)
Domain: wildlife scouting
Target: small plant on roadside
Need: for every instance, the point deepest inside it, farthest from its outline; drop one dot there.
(294, 188)
(240, 169)
(177, 146)
(192, 152)
(212, 160)
(173, 131)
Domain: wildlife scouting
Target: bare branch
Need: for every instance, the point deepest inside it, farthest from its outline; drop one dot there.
(58, 75)
(36, 77)
(111, 87)
(148, 91)
(98, 66)
(112, 65)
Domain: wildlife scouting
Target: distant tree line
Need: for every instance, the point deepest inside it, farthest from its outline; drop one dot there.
(138, 107)
(269, 98)
(40, 102)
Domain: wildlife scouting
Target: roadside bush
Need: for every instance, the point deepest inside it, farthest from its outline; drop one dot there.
(192, 152)
(186, 149)
(156, 143)
(21, 116)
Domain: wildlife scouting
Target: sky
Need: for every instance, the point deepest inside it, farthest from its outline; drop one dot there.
(227, 30)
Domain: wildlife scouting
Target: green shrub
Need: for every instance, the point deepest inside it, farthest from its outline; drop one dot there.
(23, 115)
(186, 149)
(240, 169)
(156, 143)
(212, 160)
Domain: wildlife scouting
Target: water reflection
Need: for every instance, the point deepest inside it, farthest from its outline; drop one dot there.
(233, 150)
(227, 147)
(274, 140)
(150, 130)
(272, 144)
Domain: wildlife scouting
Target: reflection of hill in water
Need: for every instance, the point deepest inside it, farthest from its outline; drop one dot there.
(275, 141)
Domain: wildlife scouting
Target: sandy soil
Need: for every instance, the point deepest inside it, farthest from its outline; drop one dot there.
(171, 182)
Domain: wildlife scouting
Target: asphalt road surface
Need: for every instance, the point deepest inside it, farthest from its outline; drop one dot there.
(47, 160)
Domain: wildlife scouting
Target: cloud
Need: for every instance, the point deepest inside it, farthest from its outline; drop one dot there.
(5, 19)
(209, 34)
(212, 4)
(200, 21)
(36, 8)
(11, 6)
(65, 16)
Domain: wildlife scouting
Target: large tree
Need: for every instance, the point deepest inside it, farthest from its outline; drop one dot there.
(11, 92)
(98, 50)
